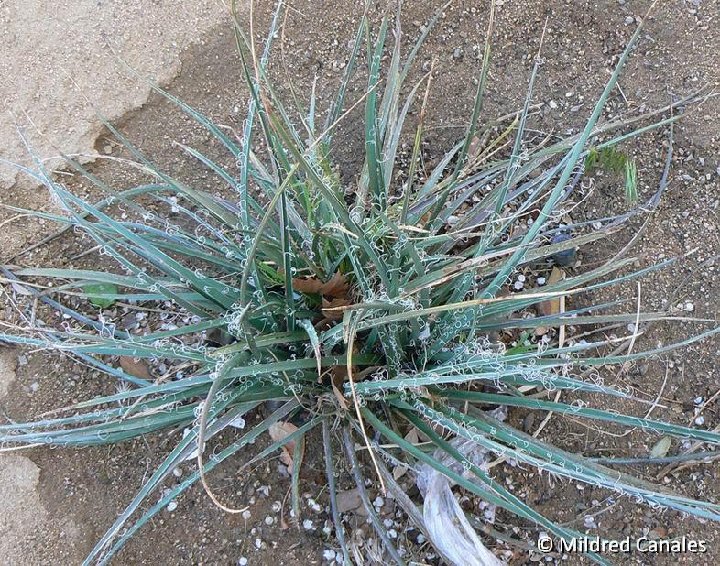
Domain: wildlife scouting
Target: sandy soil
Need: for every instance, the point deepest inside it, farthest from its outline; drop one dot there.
(69, 498)
(65, 64)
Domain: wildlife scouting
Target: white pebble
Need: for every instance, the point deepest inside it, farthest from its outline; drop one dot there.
(329, 554)
(172, 506)
(689, 307)
(177, 472)
(242, 561)
(700, 420)
(521, 277)
(518, 285)
(541, 280)
(237, 422)
(246, 514)
(392, 533)
(308, 525)
(379, 501)
(269, 520)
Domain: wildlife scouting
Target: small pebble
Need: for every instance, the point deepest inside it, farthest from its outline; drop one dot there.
(242, 561)
(541, 281)
(457, 53)
(700, 420)
(172, 506)
(308, 525)
(237, 422)
(629, 20)
(329, 554)
(177, 472)
(518, 285)
(246, 514)
(379, 501)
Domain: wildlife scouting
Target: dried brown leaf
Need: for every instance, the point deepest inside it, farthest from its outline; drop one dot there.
(307, 285)
(137, 368)
(279, 431)
(552, 306)
(328, 307)
(337, 287)
(349, 500)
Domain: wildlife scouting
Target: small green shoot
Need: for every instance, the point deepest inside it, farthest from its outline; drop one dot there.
(101, 294)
